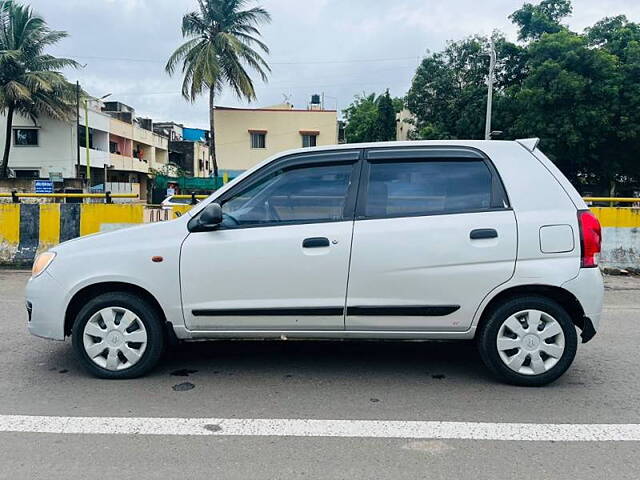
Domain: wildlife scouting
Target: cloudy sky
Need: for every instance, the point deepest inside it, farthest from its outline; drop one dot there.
(336, 47)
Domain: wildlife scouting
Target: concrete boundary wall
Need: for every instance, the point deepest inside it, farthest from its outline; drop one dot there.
(27, 229)
(620, 236)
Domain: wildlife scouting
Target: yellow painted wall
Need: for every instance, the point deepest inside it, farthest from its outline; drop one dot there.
(9, 223)
(233, 141)
(93, 216)
(49, 224)
(618, 217)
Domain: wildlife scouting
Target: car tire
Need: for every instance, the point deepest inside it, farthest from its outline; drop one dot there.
(528, 341)
(118, 335)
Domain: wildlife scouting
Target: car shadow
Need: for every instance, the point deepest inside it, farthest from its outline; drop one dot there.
(329, 358)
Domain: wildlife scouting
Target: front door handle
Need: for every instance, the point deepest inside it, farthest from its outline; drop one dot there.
(483, 234)
(317, 242)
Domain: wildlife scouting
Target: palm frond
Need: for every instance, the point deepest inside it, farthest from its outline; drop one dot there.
(250, 40)
(180, 53)
(17, 92)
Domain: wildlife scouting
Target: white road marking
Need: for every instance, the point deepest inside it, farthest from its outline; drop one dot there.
(321, 428)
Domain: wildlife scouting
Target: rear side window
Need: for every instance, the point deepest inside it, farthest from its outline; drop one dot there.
(427, 187)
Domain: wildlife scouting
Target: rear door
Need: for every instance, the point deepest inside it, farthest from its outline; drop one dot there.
(433, 235)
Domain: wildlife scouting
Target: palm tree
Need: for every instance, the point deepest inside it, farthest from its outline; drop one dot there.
(30, 83)
(222, 40)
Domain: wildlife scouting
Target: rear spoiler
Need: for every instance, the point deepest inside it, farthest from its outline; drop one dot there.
(529, 143)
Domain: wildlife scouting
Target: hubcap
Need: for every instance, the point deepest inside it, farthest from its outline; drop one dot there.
(115, 338)
(530, 342)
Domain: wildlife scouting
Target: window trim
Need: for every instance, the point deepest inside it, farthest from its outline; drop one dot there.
(304, 160)
(17, 145)
(424, 153)
(263, 133)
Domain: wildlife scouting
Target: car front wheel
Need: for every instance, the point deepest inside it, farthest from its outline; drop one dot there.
(117, 335)
(528, 341)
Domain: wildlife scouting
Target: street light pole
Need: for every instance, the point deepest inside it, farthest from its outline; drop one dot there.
(492, 69)
(77, 129)
(86, 141)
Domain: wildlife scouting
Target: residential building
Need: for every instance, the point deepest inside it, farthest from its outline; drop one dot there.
(246, 137)
(121, 146)
(191, 157)
(188, 148)
(172, 130)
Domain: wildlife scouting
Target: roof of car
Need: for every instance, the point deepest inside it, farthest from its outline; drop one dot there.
(527, 143)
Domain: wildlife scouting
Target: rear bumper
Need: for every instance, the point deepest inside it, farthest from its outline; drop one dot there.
(46, 307)
(588, 288)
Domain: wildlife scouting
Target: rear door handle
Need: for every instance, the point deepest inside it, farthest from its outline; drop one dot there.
(483, 234)
(317, 242)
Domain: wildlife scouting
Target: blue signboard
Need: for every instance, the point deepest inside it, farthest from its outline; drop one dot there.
(43, 186)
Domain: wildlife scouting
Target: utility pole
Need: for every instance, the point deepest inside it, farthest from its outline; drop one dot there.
(77, 129)
(492, 69)
(86, 141)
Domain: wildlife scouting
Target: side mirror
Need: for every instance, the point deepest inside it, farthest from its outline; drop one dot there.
(209, 219)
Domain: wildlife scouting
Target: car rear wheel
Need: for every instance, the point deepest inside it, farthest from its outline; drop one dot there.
(117, 336)
(528, 341)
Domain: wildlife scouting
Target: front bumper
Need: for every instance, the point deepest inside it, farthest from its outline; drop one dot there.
(46, 307)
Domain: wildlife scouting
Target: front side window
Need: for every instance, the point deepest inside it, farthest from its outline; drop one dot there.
(25, 137)
(414, 188)
(300, 194)
(258, 140)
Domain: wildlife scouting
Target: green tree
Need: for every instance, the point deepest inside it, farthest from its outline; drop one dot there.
(386, 122)
(223, 39)
(362, 119)
(30, 81)
(372, 118)
(535, 20)
(621, 38)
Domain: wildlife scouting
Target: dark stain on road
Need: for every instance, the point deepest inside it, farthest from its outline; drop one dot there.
(64, 370)
(212, 427)
(183, 372)
(374, 400)
(183, 387)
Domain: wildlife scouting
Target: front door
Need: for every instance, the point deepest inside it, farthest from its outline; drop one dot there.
(433, 235)
(280, 259)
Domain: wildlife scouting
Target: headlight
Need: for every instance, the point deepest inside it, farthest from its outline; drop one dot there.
(41, 263)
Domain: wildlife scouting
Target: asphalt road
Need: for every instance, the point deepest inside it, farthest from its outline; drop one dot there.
(326, 381)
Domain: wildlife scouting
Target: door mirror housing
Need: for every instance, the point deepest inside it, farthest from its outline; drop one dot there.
(209, 219)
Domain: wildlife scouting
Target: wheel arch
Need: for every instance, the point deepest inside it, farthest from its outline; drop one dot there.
(90, 291)
(566, 299)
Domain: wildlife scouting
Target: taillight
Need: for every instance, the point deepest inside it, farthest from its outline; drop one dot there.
(590, 238)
